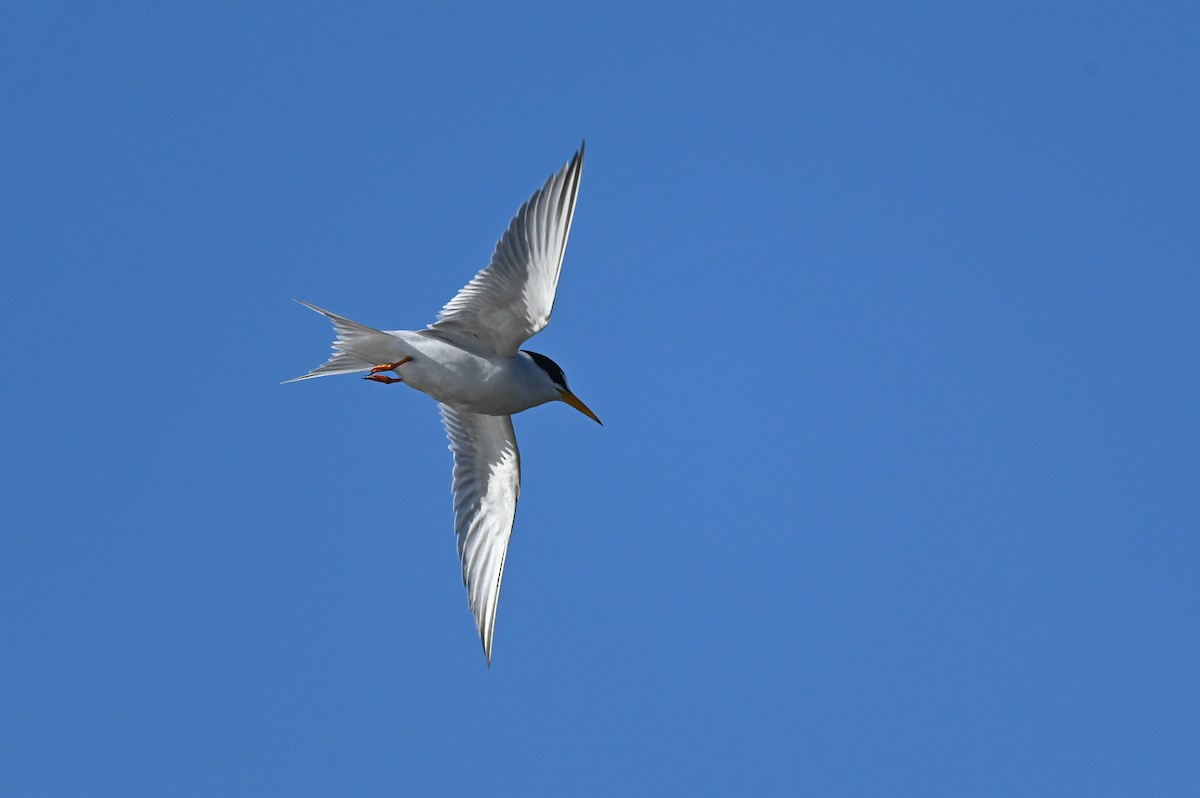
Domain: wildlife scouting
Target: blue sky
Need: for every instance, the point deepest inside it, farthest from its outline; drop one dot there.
(890, 313)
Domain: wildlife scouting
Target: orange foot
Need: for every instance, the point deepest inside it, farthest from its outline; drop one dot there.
(390, 366)
(385, 379)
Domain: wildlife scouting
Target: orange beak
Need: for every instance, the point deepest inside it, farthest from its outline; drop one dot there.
(574, 402)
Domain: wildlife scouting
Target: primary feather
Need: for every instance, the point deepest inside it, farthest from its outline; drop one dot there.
(487, 483)
(512, 298)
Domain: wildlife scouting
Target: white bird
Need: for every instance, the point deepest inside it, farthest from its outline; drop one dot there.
(469, 360)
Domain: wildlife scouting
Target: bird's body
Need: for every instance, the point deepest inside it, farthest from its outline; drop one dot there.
(470, 362)
(495, 385)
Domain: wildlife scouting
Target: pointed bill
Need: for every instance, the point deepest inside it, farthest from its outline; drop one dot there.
(577, 403)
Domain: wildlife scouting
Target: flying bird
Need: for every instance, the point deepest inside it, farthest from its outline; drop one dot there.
(471, 362)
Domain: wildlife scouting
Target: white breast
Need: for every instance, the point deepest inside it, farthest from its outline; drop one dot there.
(497, 386)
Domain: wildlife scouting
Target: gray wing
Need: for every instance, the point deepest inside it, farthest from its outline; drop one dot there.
(487, 482)
(512, 298)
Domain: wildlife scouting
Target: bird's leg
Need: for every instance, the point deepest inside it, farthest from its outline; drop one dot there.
(375, 376)
(391, 366)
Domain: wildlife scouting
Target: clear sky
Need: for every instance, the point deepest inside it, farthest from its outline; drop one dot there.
(890, 311)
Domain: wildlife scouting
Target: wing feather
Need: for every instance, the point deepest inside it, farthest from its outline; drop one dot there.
(511, 300)
(487, 483)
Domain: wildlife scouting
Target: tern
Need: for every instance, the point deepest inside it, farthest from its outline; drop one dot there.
(470, 361)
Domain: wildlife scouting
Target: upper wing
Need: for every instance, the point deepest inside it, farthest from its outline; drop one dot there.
(511, 299)
(487, 482)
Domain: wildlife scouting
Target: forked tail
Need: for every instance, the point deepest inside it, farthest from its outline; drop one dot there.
(352, 337)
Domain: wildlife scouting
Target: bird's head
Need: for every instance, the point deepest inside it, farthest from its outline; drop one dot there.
(558, 380)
